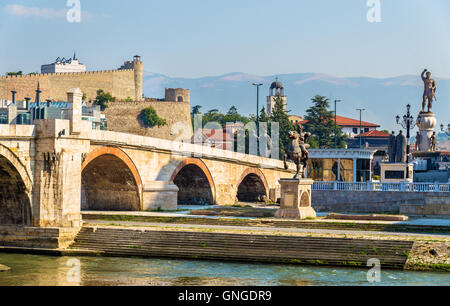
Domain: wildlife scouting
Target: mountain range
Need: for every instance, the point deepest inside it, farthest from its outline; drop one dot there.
(382, 98)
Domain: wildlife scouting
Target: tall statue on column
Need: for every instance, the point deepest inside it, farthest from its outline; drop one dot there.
(429, 90)
(426, 121)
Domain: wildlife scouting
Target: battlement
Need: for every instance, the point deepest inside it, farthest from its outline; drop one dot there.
(37, 75)
(122, 83)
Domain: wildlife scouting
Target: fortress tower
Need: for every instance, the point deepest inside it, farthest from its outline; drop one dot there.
(138, 67)
(177, 95)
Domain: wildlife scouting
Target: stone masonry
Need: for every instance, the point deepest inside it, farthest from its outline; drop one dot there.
(58, 167)
(121, 83)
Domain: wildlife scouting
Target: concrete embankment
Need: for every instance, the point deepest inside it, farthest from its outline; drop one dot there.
(114, 241)
(35, 237)
(274, 223)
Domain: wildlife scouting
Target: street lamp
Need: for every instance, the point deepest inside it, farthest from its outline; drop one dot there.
(257, 100)
(335, 124)
(257, 113)
(407, 123)
(360, 126)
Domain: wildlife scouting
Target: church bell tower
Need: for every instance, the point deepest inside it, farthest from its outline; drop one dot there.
(276, 89)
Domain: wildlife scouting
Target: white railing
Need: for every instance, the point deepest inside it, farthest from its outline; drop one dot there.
(371, 186)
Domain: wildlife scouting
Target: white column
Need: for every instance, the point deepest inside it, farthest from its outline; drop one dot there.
(74, 105)
(355, 163)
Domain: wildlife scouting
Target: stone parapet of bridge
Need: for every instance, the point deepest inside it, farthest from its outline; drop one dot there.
(98, 137)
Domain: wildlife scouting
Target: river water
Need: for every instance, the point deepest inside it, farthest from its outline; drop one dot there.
(34, 270)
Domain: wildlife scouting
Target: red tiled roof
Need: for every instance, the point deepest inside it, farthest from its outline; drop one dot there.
(213, 135)
(301, 122)
(344, 121)
(374, 134)
(349, 122)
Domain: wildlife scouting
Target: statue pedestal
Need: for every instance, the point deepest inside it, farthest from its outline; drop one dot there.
(296, 199)
(397, 173)
(426, 122)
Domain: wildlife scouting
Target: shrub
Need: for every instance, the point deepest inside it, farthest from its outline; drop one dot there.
(150, 118)
(103, 98)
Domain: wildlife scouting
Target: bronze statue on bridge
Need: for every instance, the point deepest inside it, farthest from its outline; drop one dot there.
(298, 151)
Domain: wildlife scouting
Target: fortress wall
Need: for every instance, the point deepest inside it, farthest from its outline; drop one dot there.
(120, 83)
(122, 117)
(123, 84)
(25, 86)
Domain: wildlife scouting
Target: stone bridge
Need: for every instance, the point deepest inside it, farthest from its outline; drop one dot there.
(52, 170)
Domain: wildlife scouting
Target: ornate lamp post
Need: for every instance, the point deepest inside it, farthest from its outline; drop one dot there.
(407, 123)
(447, 132)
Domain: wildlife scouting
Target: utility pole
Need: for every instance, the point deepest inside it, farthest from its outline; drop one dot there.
(257, 100)
(335, 124)
(360, 126)
(257, 115)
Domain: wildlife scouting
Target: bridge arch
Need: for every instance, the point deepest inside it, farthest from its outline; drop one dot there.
(110, 181)
(195, 182)
(252, 186)
(15, 190)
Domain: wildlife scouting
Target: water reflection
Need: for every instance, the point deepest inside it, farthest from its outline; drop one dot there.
(33, 270)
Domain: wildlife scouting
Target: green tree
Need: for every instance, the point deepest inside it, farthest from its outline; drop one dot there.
(103, 98)
(263, 115)
(14, 73)
(279, 114)
(212, 115)
(321, 125)
(196, 110)
(150, 118)
(129, 99)
(233, 116)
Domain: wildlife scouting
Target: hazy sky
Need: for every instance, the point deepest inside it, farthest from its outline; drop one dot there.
(191, 38)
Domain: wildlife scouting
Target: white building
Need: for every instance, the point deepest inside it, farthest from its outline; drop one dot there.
(350, 127)
(64, 65)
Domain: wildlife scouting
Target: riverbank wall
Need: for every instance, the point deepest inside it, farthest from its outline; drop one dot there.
(408, 203)
(36, 237)
(392, 254)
